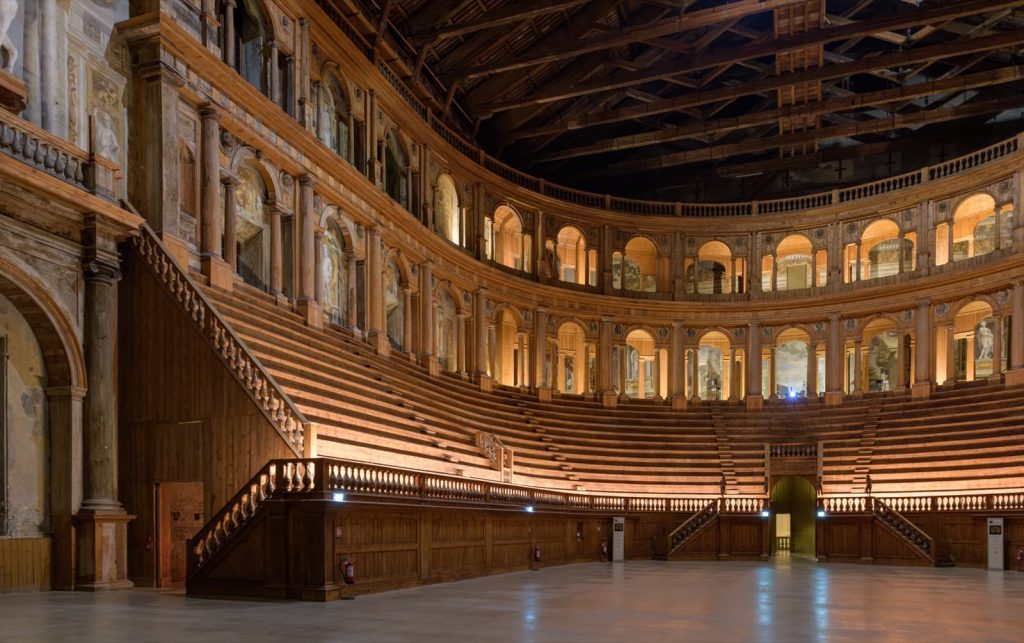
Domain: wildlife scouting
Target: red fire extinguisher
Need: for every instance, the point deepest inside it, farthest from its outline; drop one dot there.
(348, 571)
(536, 554)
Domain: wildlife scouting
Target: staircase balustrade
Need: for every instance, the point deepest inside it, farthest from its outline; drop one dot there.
(228, 346)
(682, 534)
(904, 528)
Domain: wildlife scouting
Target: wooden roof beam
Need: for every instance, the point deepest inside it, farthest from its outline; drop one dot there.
(560, 51)
(899, 121)
(829, 72)
(501, 16)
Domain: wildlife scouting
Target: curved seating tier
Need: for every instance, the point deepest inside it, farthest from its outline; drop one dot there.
(388, 410)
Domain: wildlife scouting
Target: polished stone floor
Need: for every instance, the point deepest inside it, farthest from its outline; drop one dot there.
(637, 601)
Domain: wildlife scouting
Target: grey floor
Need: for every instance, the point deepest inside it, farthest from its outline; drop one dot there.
(637, 601)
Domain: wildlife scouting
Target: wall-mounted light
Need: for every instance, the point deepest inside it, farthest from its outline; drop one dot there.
(528, 508)
(821, 513)
(766, 514)
(338, 497)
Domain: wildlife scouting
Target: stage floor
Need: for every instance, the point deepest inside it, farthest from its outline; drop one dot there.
(786, 601)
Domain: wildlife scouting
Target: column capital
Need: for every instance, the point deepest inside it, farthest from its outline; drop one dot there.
(74, 392)
(209, 111)
(229, 179)
(834, 316)
(101, 269)
(307, 180)
(677, 325)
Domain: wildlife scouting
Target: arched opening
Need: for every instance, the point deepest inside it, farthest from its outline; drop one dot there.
(396, 167)
(976, 349)
(636, 269)
(394, 304)
(447, 213)
(883, 361)
(717, 366)
(797, 266)
(24, 433)
(792, 354)
(511, 246)
(335, 266)
(446, 331)
(512, 351)
(250, 45)
(643, 365)
(573, 263)
(978, 228)
(188, 181)
(253, 227)
(715, 271)
(335, 117)
(794, 507)
(574, 355)
(884, 252)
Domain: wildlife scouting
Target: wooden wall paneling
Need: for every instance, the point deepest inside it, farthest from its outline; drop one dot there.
(24, 564)
(183, 416)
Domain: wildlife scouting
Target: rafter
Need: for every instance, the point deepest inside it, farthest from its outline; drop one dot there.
(901, 20)
(507, 15)
(829, 72)
(859, 128)
(721, 126)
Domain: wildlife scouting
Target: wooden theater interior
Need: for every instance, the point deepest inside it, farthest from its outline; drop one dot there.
(436, 290)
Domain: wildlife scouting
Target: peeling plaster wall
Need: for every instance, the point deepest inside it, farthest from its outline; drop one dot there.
(25, 470)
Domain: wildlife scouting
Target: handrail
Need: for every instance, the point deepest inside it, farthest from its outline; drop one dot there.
(689, 527)
(271, 399)
(625, 205)
(952, 502)
(900, 524)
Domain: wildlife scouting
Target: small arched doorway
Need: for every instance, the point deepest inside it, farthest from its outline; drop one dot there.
(794, 503)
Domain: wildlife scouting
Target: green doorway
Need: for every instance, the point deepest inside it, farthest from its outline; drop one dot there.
(793, 516)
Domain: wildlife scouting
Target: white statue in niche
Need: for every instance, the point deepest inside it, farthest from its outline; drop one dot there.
(107, 144)
(8, 54)
(985, 341)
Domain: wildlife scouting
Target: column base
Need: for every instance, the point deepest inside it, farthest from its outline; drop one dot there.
(679, 402)
(754, 402)
(920, 390)
(102, 550)
(833, 398)
(609, 399)
(13, 93)
(543, 394)
(380, 342)
(218, 272)
(430, 363)
(485, 382)
(311, 312)
(1015, 377)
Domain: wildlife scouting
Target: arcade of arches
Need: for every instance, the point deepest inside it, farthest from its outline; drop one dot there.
(286, 296)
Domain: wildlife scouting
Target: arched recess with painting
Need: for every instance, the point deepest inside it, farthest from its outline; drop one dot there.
(254, 224)
(448, 218)
(572, 261)
(507, 241)
(637, 268)
(715, 270)
(971, 345)
(714, 367)
(337, 272)
(42, 371)
(789, 361)
(642, 367)
(396, 301)
(794, 265)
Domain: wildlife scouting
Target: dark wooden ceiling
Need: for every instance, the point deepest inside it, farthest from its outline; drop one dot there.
(633, 96)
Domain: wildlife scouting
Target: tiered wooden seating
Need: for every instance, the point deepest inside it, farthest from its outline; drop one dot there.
(388, 410)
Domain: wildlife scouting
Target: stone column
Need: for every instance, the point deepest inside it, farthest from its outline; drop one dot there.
(812, 370)
(275, 73)
(754, 398)
(900, 267)
(858, 370)
(480, 325)
(901, 362)
(773, 387)
(604, 364)
(375, 327)
(775, 274)
(950, 355)
(676, 364)
(229, 33)
(318, 273)
(210, 216)
(407, 320)
(734, 375)
(230, 185)
(623, 357)
(1015, 375)
(461, 344)
(657, 375)
(997, 349)
(860, 275)
(922, 386)
(427, 355)
(520, 375)
(351, 305)
(276, 250)
(695, 374)
(307, 304)
(52, 77)
(540, 346)
(64, 418)
(101, 521)
(834, 361)
(30, 56)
